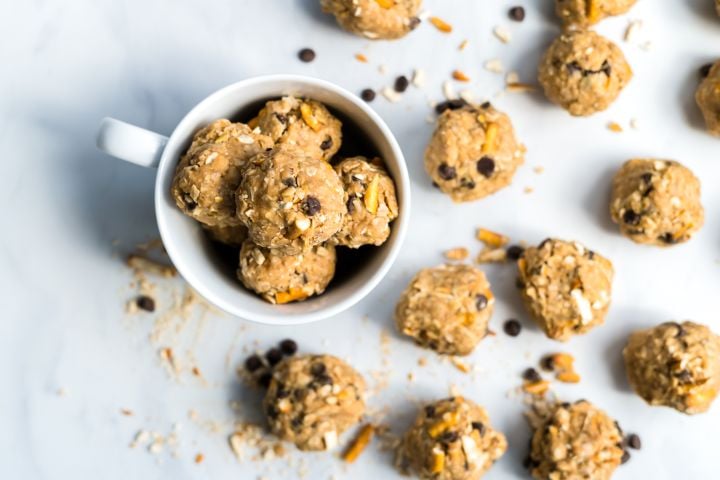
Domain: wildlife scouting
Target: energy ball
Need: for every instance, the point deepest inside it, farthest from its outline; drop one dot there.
(450, 440)
(565, 287)
(583, 72)
(233, 235)
(676, 365)
(708, 97)
(473, 152)
(289, 201)
(210, 171)
(370, 200)
(584, 13)
(656, 202)
(575, 441)
(282, 278)
(446, 309)
(306, 124)
(313, 399)
(375, 19)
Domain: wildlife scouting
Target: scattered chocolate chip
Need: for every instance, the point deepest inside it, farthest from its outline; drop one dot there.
(446, 172)
(514, 252)
(265, 379)
(311, 205)
(145, 303)
(401, 83)
(307, 55)
(449, 437)
(667, 238)
(253, 363)
(512, 327)
(430, 411)
(531, 375)
(705, 70)
(625, 457)
(290, 182)
(547, 363)
(633, 441)
(326, 144)
(273, 356)
(517, 14)
(481, 302)
(485, 166)
(288, 347)
(449, 105)
(318, 369)
(631, 218)
(368, 94)
(485, 105)
(479, 426)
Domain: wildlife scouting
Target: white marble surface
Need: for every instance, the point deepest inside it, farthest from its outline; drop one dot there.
(70, 214)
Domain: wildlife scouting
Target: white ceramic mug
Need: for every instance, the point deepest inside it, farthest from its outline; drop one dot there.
(187, 245)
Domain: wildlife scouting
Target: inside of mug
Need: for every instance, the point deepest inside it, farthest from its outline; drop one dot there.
(211, 268)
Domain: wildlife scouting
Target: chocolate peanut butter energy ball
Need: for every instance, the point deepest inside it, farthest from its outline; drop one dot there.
(286, 278)
(473, 152)
(450, 440)
(306, 124)
(566, 287)
(575, 441)
(446, 308)
(676, 365)
(210, 171)
(289, 201)
(313, 399)
(588, 12)
(375, 19)
(583, 72)
(370, 200)
(656, 202)
(708, 97)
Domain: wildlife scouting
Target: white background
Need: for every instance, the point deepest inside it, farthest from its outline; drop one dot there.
(70, 214)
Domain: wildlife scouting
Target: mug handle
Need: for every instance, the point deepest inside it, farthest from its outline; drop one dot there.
(130, 143)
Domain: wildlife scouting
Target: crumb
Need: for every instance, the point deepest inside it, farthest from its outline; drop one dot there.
(460, 365)
(632, 30)
(419, 78)
(361, 58)
(463, 45)
(528, 190)
(614, 127)
(449, 91)
(502, 34)
(441, 25)
(490, 238)
(538, 169)
(634, 123)
(491, 255)
(495, 65)
(460, 76)
(199, 458)
(458, 253)
(127, 412)
(391, 95)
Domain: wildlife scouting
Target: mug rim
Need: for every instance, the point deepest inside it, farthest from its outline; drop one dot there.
(401, 223)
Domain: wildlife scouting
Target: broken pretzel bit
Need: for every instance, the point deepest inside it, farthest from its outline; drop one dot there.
(361, 58)
(460, 76)
(291, 295)
(538, 388)
(386, 3)
(359, 444)
(614, 127)
(438, 460)
(441, 25)
(460, 365)
(199, 458)
(520, 87)
(371, 198)
(491, 239)
(309, 117)
(458, 253)
(568, 377)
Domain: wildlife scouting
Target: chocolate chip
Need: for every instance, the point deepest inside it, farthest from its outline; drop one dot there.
(288, 347)
(512, 327)
(684, 376)
(290, 182)
(646, 177)
(633, 441)
(705, 70)
(265, 379)
(485, 105)
(296, 421)
(467, 183)
(281, 118)
(517, 14)
(485, 166)
(531, 375)
(323, 379)
(449, 105)
(368, 94)
(414, 22)
(631, 218)
(307, 55)
(311, 205)
(514, 252)
(271, 411)
(317, 369)
(449, 437)
(273, 356)
(189, 203)
(435, 184)
(145, 303)
(625, 457)
(479, 426)
(667, 238)
(547, 363)
(574, 67)
(446, 172)
(606, 68)
(326, 144)
(481, 302)
(350, 205)
(401, 83)
(429, 411)
(282, 393)
(253, 363)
